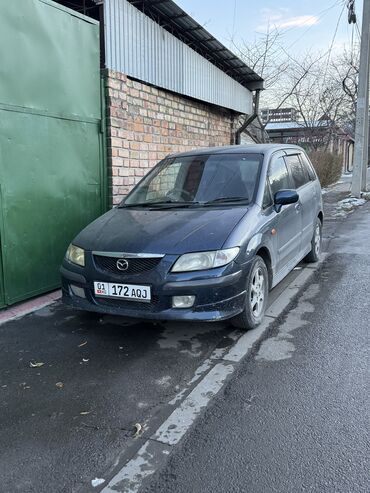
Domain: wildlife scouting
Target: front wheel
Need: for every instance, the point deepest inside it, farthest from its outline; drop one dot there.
(314, 255)
(255, 298)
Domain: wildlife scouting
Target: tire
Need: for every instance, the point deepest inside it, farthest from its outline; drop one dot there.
(316, 242)
(257, 285)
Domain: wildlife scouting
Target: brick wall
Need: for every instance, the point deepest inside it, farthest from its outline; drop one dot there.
(146, 123)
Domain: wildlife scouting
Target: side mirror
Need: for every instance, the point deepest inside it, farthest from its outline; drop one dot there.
(285, 197)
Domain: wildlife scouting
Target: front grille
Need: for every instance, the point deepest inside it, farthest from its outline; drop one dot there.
(130, 305)
(135, 265)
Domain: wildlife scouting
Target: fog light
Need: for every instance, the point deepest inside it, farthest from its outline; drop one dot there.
(80, 292)
(182, 301)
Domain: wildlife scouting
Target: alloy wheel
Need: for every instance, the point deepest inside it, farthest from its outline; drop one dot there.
(257, 293)
(317, 240)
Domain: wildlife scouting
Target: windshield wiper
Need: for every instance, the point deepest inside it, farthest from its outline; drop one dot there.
(139, 204)
(173, 205)
(162, 204)
(226, 200)
(145, 204)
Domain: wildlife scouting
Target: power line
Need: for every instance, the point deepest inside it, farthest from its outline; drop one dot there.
(352, 43)
(234, 18)
(319, 16)
(332, 42)
(234, 22)
(358, 32)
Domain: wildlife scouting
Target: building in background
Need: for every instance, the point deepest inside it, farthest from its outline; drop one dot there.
(278, 115)
(322, 134)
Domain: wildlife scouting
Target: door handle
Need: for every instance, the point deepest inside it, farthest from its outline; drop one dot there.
(298, 206)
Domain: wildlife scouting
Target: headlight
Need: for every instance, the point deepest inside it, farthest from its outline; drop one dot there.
(204, 260)
(76, 255)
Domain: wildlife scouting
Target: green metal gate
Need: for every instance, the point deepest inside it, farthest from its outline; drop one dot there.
(52, 179)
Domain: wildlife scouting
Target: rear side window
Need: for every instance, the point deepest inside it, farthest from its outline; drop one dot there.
(278, 176)
(306, 163)
(299, 173)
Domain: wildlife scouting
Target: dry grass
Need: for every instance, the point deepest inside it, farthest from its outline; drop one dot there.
(328, 166)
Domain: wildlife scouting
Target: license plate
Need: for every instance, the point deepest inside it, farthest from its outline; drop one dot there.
(133, 292)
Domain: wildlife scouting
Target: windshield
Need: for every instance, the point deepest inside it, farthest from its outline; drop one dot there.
(198, 180)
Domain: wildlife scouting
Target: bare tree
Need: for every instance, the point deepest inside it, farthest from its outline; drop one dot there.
(322, 89)
(267, 57)
(325, 108)
(345, 71)
(264, 56)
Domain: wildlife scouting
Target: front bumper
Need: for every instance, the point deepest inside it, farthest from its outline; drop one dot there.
(219, 293)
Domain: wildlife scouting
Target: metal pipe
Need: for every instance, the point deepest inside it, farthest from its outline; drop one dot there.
(249, 119)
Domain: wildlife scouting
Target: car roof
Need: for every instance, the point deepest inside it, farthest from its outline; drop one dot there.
(238, 149)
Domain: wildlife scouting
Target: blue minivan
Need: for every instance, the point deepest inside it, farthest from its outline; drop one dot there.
(203, 236)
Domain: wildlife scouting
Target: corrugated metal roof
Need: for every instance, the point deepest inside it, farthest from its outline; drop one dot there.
(171, 17)
(138, 46)
(295, 125)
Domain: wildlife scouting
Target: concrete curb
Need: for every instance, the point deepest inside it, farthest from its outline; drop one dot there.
(211, 377)
(30, 306)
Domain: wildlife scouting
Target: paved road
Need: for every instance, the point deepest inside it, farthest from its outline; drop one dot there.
(71, 420)
(296, 416)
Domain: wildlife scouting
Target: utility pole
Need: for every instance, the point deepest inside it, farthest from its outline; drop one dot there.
(362, 109)
(366, 132)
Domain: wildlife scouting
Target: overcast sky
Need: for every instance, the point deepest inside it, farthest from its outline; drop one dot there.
(307, 24)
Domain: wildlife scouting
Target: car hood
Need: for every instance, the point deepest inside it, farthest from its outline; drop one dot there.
(161, 232)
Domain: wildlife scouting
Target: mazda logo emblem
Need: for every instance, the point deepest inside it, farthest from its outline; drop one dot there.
(122, 264)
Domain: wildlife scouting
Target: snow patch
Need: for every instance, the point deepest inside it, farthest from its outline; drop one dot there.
(349, 204)
(352, 201)
(97, 482)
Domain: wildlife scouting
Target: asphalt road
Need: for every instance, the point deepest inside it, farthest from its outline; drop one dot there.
(296, 416)
(72, 419)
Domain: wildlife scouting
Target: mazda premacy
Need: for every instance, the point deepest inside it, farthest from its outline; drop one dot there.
(203, 236)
